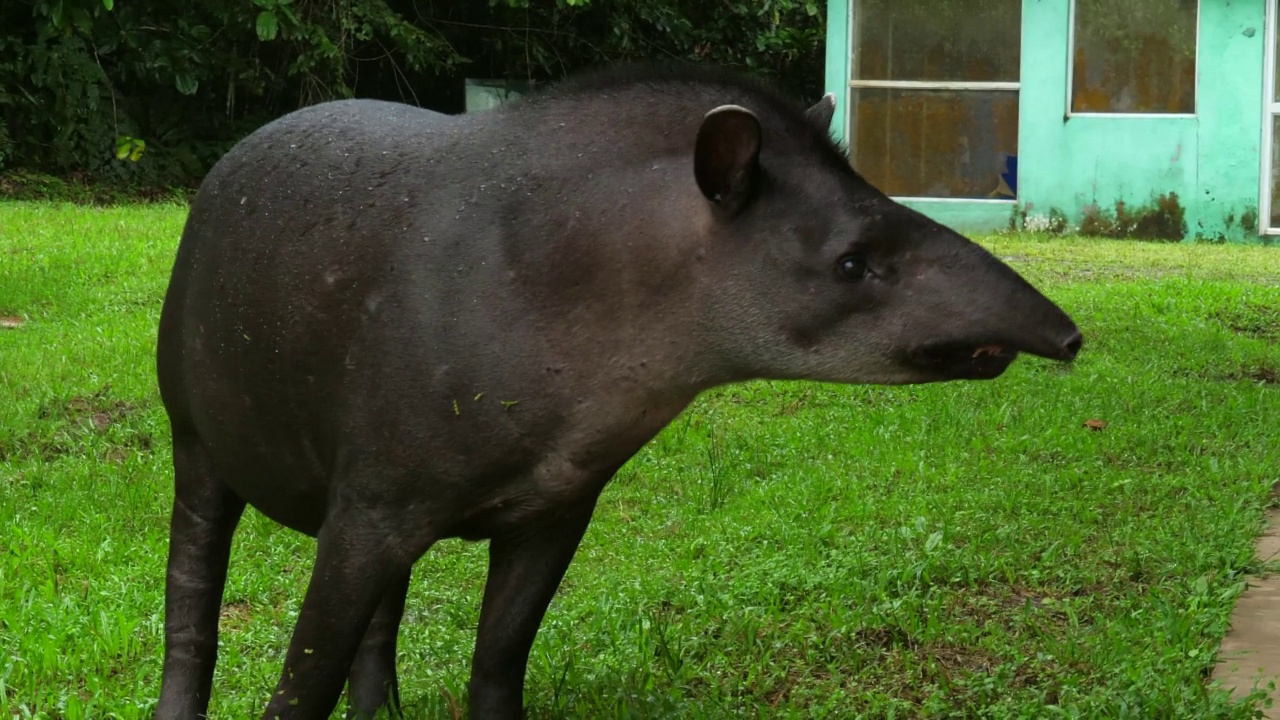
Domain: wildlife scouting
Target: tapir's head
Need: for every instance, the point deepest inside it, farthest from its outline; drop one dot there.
(819, 275)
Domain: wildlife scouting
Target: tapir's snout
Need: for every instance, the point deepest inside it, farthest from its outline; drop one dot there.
(1043, 328)
(1069, 347)
(987, 357)
(991, 315)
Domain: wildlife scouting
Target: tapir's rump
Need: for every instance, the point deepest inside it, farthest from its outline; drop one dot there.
(387, 326)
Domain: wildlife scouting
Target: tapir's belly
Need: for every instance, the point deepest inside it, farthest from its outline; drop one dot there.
(398, 391)
(294, 412)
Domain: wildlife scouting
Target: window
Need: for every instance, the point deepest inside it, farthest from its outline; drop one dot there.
(1136, 56)
(1274, 223)
(934, 96)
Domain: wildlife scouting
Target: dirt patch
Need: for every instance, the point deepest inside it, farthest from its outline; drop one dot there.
(954, 660)
(95, 410)
(74, 421)
(883, 638)
(1266, 375)
(791, 405)
(234, 616)
(1255, 320)
(1262, 374)
(1012, 608)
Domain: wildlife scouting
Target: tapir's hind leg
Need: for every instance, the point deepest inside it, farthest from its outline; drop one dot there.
(361, 553)
(524, 572)
(372, 684)
(205, 514)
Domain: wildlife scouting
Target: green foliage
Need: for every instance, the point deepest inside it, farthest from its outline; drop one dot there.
(79, 78)
(780, 38)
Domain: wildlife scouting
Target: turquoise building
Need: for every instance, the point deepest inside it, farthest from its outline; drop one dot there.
(1151, 118)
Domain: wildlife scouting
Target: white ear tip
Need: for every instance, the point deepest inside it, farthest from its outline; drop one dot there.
(729, 108)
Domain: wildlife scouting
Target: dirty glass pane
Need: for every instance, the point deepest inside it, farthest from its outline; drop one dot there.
(1136, 56)
(934, 143)
(1275, 172)
(1275, 92)
(971, 40)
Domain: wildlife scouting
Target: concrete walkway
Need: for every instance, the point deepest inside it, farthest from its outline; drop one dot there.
(1252, 647)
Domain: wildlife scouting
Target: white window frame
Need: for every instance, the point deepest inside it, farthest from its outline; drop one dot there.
(1071, 69)
(955, 85)
(1270, 110)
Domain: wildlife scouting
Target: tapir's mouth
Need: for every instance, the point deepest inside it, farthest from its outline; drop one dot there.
(962, 361)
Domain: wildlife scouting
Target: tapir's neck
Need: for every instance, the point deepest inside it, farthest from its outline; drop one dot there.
(625, 284)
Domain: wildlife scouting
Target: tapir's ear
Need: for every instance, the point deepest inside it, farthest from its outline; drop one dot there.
(822, 111)
(726, 159)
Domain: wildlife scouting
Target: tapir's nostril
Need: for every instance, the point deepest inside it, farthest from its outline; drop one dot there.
(1072, 346)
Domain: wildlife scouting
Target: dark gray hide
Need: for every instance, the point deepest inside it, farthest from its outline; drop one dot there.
(386, 326)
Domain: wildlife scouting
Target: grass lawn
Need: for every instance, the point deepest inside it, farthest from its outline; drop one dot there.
(782, 550)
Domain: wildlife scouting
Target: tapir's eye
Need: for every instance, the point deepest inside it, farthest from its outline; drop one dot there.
(852, 267)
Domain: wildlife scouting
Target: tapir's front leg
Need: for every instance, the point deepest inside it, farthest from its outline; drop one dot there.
(525, 570)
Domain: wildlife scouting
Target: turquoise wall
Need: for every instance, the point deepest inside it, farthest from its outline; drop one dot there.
(1071, 163)
(1229, 170)
(837, 75)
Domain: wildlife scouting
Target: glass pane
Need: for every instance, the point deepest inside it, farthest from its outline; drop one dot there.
(1275, 93)
(974, 40)
(935, 143)
(1275, 172)
(1136, 56)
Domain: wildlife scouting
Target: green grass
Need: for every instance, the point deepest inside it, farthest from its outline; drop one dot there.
(783, 550)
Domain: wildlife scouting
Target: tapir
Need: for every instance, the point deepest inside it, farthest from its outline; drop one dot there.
(387, 326)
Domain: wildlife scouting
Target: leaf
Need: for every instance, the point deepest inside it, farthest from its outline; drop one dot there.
(130, 148)
(186, 84)
(109, 5)
(11, 322)
(82, 21)
(268, 27)
(1094, 424)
